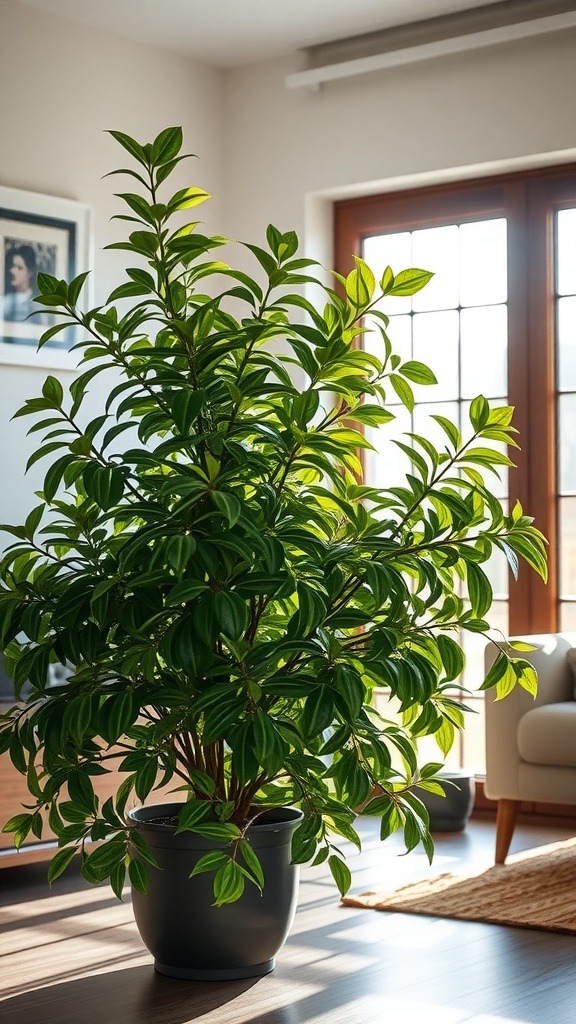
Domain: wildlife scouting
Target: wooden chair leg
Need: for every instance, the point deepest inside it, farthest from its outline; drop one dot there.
(505, 824)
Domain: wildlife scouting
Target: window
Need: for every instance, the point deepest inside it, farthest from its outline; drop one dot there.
(499, 318)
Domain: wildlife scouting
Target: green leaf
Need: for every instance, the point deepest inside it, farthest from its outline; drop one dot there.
(55, 474)
(33, 520)
(403, 390)
(186, 590)
(104, 858)
(81, 792)
(200, 780)
(231, 612)
(340, 873)
(138, 876)
(211, 861)
(145, 778)
(188, 198)
(72, 813)
(387, 280)
(53, 392)
(445, 736)
(479, 589)
(318, 712)
(252, 863)
(118, 878)
(269, 747)
(118, 712)
(244, 758)
(408, 282)
(311, 611)
(418, 372)
(44, 450)
(228, 884)
(186, 407)
(360, 284)
(450, 429)
(167, 145)
(391, 817)
(223, 832)
(452, 656)
(191, 813)
(479, 413)
(526, 675)
(228, 505)
(21, 825)
(500, 675)
(131, 146)
(60, 862)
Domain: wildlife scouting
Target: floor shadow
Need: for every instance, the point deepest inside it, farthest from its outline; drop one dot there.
(22, 883)
(46, 919)
(136, 995)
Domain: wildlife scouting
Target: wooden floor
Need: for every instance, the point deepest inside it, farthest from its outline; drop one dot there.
(72, 955)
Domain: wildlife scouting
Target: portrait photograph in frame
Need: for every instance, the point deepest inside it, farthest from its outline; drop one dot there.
(38, 234)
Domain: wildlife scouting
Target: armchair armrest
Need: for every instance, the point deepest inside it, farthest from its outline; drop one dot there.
(502, 717)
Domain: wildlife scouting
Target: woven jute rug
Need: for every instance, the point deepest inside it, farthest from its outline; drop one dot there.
(534, 889)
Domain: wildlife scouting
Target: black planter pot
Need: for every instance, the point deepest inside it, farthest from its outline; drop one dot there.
(451, 812)
(186, 935)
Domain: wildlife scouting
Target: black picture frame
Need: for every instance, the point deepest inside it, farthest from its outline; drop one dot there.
(37, 234)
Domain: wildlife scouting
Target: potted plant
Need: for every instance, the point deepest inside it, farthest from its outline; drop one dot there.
(206, 558)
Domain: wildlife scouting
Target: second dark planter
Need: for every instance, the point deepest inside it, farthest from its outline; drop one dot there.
(187, 936)
(451, 812)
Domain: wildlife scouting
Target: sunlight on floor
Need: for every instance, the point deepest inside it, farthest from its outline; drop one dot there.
(399, 930)
(372, 1008)
(489, 1019)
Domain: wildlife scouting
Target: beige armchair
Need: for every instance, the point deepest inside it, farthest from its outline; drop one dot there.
(531, 742)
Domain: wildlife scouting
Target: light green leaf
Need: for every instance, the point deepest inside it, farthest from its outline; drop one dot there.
(408, 282)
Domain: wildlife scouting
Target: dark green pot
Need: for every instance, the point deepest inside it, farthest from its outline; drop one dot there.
(186, 935)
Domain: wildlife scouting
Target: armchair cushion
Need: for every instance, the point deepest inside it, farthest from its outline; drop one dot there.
(547, 734)
(571, 659)
(531, 741)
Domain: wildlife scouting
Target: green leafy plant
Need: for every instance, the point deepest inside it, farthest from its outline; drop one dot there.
(206, 557)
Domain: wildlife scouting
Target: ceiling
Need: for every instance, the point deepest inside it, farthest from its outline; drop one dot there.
(229, 33)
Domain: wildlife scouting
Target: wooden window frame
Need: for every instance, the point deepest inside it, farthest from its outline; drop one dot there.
(529, 201)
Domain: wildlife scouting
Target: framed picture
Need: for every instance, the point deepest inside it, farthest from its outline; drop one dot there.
(38, 234)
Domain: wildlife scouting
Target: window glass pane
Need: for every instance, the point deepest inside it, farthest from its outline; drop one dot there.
(568, 616)
(496, 569)
(436, 249)
(567, 343)
(399, 331)
(394, 250)
(484, 343)
(473, 737)
(566, 252)
(400, 334)
(428, 750)
(567, 546)
(474, 645)
(428, 427)
(436, 344)
(498, 484)
(567, 445)
(386, 466)
(483, 263)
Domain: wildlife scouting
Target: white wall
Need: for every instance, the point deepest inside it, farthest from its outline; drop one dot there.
(286, 149)
(62, 86)
(267, 153)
